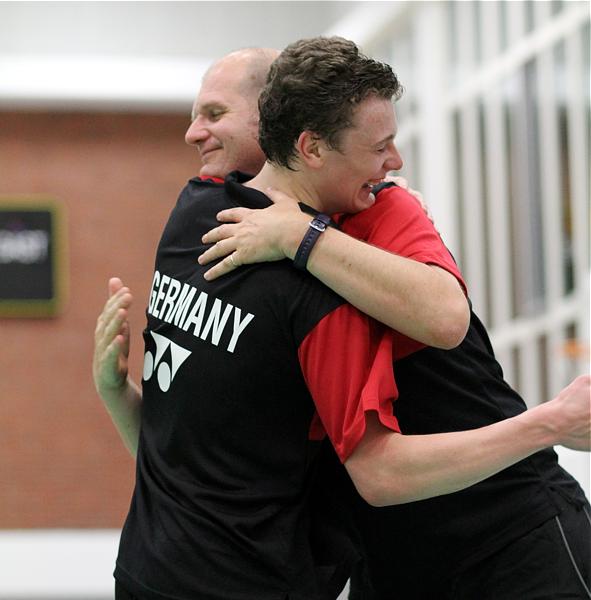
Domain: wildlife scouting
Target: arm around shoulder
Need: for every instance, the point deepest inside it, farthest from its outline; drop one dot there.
(422, 301)
(415, 298)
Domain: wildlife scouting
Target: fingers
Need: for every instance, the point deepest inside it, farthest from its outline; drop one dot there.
(122, 298)
(120, 301)
(574, 403)
(222, 268)
(111, 341)
(114, 330)
(124, 337)
(111, 344)
(116, 327)
(110, 367)
(233, 215)
(217, 234)
(115, 284)
(223, 248)
(110, 358)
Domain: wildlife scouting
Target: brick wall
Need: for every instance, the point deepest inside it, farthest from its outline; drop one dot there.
(117, 175)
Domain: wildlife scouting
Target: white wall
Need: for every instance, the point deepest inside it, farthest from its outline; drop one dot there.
(68, 55)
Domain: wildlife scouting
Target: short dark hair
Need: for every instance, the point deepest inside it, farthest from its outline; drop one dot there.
(315, 85)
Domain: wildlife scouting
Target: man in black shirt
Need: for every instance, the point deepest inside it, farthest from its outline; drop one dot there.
(234, 506)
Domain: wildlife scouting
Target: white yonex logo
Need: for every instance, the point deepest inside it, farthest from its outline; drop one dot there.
(166, 372)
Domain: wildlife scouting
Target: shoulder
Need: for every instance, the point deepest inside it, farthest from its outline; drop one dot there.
(394, 210)
(201, 188)
(397, 200)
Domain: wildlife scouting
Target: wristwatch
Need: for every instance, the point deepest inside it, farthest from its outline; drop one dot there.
(316, 226)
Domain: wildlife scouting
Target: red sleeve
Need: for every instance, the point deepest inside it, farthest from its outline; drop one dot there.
(347, 364)
(397, 223)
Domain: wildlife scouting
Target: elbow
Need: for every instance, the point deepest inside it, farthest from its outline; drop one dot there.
(379, 496)
(376, 487)
(371, 492)
(375, 497)
(450, 330)
(382, 466)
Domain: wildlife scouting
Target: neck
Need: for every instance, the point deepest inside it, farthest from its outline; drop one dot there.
(292, 183)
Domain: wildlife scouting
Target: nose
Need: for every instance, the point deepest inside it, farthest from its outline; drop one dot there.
(394, 161)
(197, 132)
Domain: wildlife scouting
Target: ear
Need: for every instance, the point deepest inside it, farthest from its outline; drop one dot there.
(311, 149)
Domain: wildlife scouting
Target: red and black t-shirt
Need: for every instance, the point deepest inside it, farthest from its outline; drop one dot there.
(234, 371)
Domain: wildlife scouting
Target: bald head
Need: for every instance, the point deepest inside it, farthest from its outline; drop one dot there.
(253, 65)
(225, 118)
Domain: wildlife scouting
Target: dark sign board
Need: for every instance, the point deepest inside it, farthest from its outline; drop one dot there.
(32, 241)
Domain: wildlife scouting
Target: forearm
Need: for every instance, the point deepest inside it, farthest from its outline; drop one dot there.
(124, 407)
(395, 469)
(423, 302)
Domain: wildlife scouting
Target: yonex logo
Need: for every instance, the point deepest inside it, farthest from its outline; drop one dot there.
(165, 372)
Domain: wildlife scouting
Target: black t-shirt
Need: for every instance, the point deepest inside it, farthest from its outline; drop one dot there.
(225, 460)
(416, 545)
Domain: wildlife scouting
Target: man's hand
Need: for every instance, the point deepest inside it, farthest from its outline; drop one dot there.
(570, 415)
(111, 340)
(264, 235)
(253, 236)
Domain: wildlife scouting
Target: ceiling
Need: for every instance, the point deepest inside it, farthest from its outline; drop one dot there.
(140, 54)
(204, 29)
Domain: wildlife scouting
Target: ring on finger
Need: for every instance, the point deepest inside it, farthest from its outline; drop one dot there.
(232, 260)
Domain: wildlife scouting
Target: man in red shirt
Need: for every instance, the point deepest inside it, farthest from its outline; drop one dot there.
(480, 542)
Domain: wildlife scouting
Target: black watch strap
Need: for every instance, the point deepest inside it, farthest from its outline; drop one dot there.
(317, 226)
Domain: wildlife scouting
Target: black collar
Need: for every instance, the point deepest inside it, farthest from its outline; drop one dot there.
(242, 195)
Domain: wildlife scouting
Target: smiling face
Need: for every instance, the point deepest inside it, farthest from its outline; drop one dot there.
(224, 125)
(365, 155)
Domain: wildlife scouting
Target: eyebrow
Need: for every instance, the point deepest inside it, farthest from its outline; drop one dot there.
(388, 138)
(208, 106)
